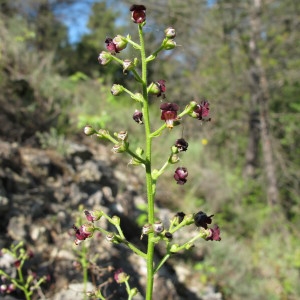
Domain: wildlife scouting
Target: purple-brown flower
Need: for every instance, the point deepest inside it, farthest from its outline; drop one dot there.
(169, 113)
(111, 46)
(202, 110)
(201, 219)
(214, 234)
(94, 215)
(180, 175)
(161, 84)
(180, 216)
(181, 145)
(82, 233)
(17, 263)
(138, 13)
(115, 45)
(138, 116)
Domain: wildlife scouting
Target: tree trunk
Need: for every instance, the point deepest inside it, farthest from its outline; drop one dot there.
(259, 110)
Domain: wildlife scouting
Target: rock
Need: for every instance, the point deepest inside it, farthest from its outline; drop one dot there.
(74, 291)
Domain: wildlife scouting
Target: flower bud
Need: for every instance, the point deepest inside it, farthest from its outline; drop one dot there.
(138, 97)
(147, 228)
(169, 45)
(120, 147)
(174, 159)
(170, 33)
(102, 133)
(111, 237)
(89, 130)
(120, 42)
(120, 276)
(122, 135)
(116, 89)
(168, 235)
(157, 88)
(174, 248)
(128, 65)
(104, 58)
(116, 220)
(158, 227)
(94, 215)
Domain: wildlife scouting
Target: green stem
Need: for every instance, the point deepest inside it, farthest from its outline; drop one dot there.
(84, 262)
(149, 180)
(135, 45)
(163, 260)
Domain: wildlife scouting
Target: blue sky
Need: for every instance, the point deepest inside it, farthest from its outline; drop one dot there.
(76, 16)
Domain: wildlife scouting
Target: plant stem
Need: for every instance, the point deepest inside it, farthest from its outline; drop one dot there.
(149, 180)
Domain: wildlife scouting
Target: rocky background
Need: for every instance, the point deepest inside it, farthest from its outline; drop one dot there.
(41, 195)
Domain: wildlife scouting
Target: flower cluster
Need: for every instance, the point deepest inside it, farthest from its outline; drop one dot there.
(171, 115)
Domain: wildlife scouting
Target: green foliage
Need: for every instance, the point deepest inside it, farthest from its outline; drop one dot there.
(53, 140)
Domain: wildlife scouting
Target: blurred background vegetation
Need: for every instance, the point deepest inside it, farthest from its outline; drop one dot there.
(243, 56)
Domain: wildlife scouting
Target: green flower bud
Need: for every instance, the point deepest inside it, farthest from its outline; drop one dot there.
(174, 149)
(174, 159)
(111, 237)
(117, 89)
(169, 44)
(102, 133)
(174, 248)
(116, 220)
(128, 65)
(120, 42)
(89, 130)
(122, 135)
(104, 58)
(120, 147)
(153, 88)
(138, 97)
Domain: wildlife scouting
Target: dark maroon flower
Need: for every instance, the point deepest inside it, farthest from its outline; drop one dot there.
(180, 175)
(201, 219)
(214, 234)
(169, 113)
(169, 235)
(202, 110)
(81, 233)
(11, 288)
(180, 216)
(138, 116)
(181, 144)
(17, 263)
(30, 254)
(161, 84)
(138, 13)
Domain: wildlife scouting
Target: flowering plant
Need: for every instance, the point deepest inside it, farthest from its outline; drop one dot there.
(155, 230)
(28, 282)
